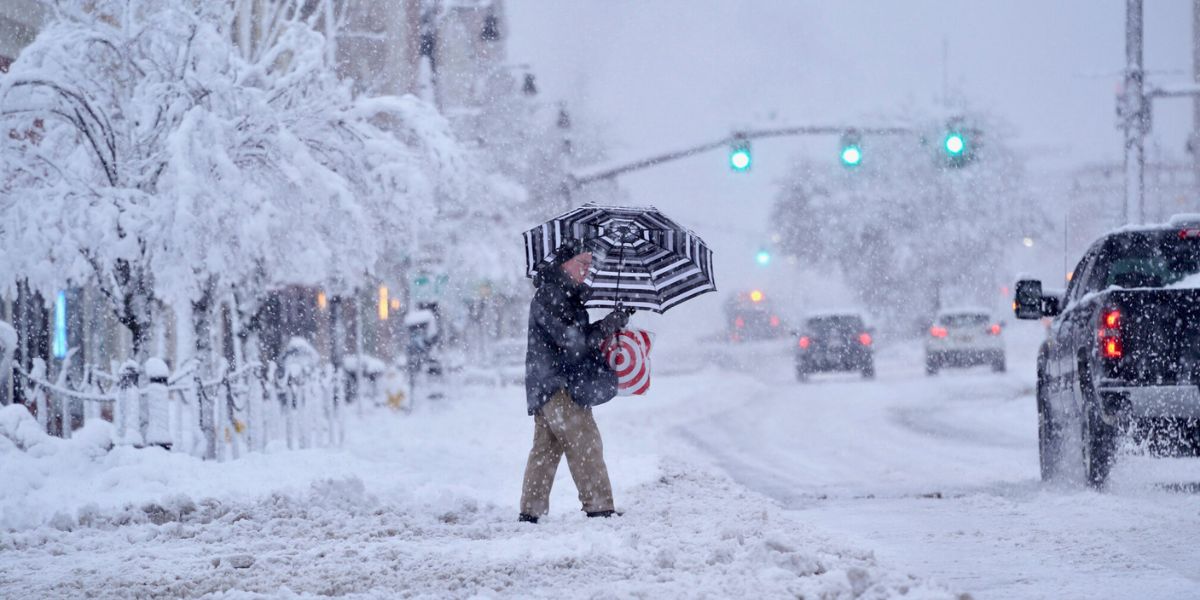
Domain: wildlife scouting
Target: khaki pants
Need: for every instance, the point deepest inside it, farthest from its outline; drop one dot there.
(562, 426)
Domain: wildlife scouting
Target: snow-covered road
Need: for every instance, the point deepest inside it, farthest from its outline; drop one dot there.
(939, 476)
(736, 481)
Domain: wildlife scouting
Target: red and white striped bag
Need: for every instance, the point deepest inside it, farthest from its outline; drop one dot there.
(628, 355)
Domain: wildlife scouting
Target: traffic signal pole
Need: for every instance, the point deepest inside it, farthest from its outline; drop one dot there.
(740, 136)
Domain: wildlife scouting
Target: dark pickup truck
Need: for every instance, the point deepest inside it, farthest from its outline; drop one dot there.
(1122, 356)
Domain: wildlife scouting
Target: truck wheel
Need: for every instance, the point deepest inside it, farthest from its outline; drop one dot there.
(801, 374)
(931, 364)
(868, 369)
(998, 364)
(1099, 438)
(1049, 435)
(1100, 449)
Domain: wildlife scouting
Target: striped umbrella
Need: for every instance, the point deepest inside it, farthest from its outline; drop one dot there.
(643, 259)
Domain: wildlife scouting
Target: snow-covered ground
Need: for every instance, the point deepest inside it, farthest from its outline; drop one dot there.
(736, 481)
(421, 505)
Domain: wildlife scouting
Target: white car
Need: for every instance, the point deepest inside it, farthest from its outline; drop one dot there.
(964, 338)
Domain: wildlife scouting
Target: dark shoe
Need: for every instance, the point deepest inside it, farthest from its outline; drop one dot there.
(604, 513)
(524, 518)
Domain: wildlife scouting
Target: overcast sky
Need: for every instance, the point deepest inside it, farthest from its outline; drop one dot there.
(660, 74)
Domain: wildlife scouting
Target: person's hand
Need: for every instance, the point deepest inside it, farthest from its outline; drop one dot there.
(613, 322)
(621, 317)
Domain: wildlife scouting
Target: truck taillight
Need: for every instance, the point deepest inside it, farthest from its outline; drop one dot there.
(994, 329)
(1110, 334)
(805, 343)
(864, 338)
(938, 332)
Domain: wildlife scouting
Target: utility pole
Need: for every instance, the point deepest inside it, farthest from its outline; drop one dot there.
(1195, 141)
(1134, 113)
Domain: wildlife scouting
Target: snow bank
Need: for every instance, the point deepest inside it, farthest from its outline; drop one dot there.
(421, 505)
(685, 533)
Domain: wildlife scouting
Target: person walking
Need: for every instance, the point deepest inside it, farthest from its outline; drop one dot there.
(565, 376)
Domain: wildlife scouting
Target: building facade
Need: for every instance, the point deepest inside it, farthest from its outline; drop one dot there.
(19, 24)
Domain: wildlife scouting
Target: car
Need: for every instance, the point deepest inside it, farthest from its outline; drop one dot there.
(1121, 357)
(834, 342)
(752, 316)
(964, 338)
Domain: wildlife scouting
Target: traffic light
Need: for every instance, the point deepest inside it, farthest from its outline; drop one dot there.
(763, 258)
(955, 144)
(739, 155)
(958, 147)
(851, 151)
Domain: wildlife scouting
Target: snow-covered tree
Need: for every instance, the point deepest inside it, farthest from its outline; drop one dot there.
(150, 156)
(907, 230)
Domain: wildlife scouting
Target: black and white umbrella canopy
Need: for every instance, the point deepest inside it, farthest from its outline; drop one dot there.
(643, 259)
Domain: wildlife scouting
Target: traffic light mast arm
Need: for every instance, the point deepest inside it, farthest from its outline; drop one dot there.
(646, 163)
(579, 181)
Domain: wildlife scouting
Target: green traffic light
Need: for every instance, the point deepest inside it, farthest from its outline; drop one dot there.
(955, 144)
(763, 258)
(851, 156)
(739, 159)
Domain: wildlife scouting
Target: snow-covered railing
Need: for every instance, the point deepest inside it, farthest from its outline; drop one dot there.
(235, 412)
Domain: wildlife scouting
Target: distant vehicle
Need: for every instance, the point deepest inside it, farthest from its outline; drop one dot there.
(1122, 356)
(834, 342)
(752, 316)
(964, 338)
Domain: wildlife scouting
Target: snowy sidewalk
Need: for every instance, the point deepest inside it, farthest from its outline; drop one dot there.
(420, 506)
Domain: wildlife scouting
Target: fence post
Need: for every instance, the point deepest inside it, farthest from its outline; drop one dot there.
(156, 404)
(234, 426)
(39, 395)
(129, 408)
(204, 405)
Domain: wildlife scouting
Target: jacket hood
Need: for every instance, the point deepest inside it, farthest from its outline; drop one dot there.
(552, 276)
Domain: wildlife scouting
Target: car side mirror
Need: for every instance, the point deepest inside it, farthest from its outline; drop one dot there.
(1029, 302)
(1051, 304)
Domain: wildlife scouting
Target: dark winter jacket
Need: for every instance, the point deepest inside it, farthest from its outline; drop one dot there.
(564, 348)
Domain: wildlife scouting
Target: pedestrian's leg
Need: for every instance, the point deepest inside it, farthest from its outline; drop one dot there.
(540, 469)
(576, 429)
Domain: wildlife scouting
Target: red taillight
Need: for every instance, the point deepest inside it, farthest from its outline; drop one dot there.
(937, 332)
(1189, 233)
(1110, 334)
(805, 343)
(774, 321)
(994, 329)
(864, 338)
(1112, 319)
(739, 322)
